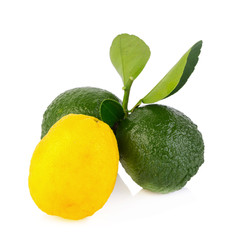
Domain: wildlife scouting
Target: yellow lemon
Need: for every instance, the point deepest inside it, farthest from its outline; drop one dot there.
(74, 167)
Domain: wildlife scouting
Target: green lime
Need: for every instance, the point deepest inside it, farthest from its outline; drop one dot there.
(160, 148)
(85, 100)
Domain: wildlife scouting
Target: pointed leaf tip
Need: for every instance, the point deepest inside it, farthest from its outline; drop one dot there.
(176, 78)
(192, 61)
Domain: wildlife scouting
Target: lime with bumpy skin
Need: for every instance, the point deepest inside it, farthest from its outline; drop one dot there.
(160, 148)
(85, 100)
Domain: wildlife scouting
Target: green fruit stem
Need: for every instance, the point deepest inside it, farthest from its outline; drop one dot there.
(126, 97)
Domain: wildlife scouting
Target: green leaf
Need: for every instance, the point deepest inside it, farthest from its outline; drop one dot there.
(111, 112)
(175, 79)
(129, 55)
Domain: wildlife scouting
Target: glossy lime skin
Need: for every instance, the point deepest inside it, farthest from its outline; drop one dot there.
(85, 100)
(160, 148)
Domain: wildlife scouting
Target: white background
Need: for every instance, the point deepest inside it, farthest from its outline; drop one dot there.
(47, 47)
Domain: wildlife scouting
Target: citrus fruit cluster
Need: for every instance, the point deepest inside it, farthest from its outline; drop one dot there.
(84, 131)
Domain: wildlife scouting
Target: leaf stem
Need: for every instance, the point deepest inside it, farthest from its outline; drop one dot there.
(125, 100)
(138, 103)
